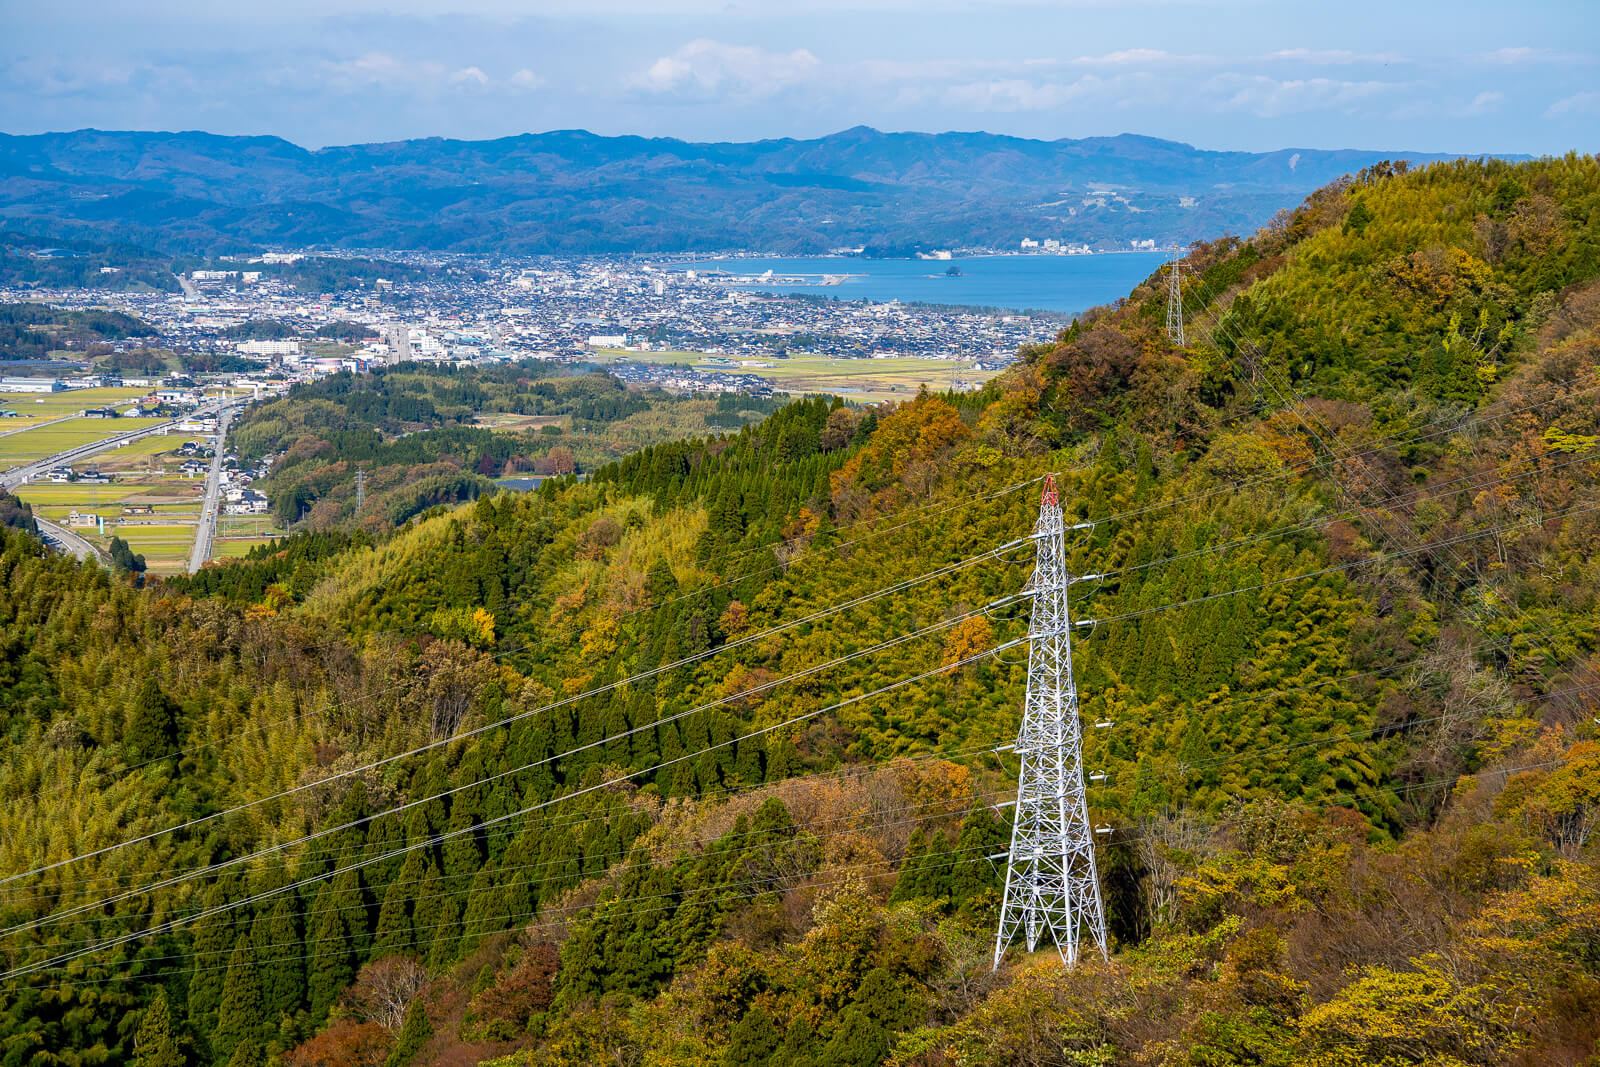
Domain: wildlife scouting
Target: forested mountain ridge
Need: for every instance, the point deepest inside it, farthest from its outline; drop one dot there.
(1347, 635)
(572, 191)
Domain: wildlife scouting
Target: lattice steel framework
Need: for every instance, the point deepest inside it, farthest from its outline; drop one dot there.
(1052, 887)
(1175, 304)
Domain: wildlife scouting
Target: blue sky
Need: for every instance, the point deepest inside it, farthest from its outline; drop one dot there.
(1427, 75)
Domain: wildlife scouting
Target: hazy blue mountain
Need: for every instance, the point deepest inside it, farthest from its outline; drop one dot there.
(574, 191)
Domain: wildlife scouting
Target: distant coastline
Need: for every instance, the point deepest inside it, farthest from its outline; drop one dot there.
(1005, 283)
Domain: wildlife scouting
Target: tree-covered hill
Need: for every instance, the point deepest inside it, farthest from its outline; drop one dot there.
(572, 191)
(429, 435)
(695, 761)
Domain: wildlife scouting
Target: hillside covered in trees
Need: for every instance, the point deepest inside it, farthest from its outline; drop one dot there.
(428, 435)
(694, 761)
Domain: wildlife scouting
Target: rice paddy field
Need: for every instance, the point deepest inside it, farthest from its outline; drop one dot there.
(164, 546)
(868, 380)
(145, 475)
(73, 400)
(238, 534)
(42, 441)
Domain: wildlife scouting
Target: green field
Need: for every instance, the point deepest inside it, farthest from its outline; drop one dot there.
(52, 404)
(854, 379)
(511, 422)
(137, 454)
(36, 444)
(238, 534)
(9, 426)
(233, 549)
(164, 546)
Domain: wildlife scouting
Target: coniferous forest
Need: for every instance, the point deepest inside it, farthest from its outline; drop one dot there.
(694, 761)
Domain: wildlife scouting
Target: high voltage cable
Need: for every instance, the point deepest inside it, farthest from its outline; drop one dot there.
(1288, 746)
(1135, 614)
(411, 804)
(965, 503)
(1335, 455)
(452, 834)
(853, 822)
(726, 793)
(1507, 605)
(1378, 557)
(491, 919)
(1333, 459)
(652, 672)
(501, 653)
(1444, 489)
(1424, 547)
(1120, 840)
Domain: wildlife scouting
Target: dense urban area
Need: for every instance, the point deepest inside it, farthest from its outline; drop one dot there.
(126, 358)
(354, 312)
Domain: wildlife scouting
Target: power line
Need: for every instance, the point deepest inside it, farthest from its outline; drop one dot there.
(1106, 619)
(436, 839)
(410, 804)
(1504, 604)
(857, 770)
(1119, 839)
(564, 702)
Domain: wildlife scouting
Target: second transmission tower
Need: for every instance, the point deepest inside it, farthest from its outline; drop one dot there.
(1052, 888)
(1175, 303)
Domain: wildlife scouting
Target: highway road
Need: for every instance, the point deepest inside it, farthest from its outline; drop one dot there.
(18, 475)
(64, 540)
(205, 531)
(34, 426)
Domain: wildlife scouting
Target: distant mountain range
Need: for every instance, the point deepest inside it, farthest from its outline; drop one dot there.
(574, 191)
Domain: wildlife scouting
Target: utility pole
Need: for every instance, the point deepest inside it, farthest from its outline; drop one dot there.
(1052, 887)
(361, 488)
(1175, 304)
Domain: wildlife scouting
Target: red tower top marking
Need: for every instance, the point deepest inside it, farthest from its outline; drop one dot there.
(1050, 496)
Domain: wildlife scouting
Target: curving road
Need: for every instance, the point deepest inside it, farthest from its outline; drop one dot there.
(64, 540)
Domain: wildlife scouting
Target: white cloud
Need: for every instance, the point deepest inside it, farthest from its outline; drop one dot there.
(1005, 95)
(389, 73)
(1512, 56)
(1133, 57)
(381, 70)
(526, 80)
(704, 67)
(1485, 103)
(1577, 104)
(1331, 57)
(1267, 97)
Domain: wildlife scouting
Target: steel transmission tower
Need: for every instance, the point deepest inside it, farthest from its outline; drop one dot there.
(1052, 887)
(361, 489)
(1174, 304)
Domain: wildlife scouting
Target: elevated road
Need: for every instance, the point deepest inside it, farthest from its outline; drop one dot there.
(64, 540)
(27, 472)
(36, 425)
